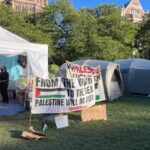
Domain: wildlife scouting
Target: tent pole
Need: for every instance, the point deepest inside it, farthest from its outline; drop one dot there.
(33, 97)
(30, 120)
(28, 69)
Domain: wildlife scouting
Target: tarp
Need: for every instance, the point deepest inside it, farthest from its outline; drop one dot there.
(37, 54)
(11, 108)
(10, 63)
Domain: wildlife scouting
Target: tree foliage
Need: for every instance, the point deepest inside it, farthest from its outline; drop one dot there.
(116, 34)
(143, 36)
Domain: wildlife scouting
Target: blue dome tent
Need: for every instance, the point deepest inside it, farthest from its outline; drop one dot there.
(136, 75)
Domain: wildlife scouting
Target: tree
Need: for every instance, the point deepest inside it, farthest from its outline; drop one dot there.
(143, 36)
(114, 36)
(58, 20)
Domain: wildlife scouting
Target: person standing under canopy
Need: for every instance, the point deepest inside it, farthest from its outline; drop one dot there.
(4, 82)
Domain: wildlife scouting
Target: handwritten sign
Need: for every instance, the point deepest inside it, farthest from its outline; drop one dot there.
(94, 113)
(79, 71)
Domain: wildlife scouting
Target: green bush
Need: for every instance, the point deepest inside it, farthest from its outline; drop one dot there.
(53, 70)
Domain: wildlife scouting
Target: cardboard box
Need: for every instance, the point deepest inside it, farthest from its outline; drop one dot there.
(94, 113)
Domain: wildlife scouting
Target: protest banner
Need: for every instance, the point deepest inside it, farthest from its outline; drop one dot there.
(79, 71)
(60, 95)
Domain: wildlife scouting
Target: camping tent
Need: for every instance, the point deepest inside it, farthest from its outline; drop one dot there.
(37, 54)
(136, 75)
(112, 80)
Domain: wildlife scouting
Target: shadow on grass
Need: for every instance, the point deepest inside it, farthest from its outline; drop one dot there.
(16, 134)
(74, 116)
(131, 99)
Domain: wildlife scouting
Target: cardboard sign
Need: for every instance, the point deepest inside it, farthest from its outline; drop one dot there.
(61, 121)
(94, 113)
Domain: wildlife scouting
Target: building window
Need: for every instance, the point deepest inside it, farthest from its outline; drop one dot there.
(16, 7)
(138, 12)
(132, 11)
(8, 2)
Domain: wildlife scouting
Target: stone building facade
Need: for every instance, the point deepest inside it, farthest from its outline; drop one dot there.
(134, 11)
(29, 6)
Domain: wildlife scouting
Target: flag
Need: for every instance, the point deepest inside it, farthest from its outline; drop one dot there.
(50, 93)
(44, 127)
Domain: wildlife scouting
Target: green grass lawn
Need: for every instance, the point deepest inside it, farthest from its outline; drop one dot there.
(127, 128)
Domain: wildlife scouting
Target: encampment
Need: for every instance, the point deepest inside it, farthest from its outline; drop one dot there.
(136, 75)
(111, 76)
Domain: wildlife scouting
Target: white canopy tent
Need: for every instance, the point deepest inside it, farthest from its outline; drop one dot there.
(37, 54)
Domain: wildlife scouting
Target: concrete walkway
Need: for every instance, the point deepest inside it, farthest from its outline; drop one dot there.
(11, 108)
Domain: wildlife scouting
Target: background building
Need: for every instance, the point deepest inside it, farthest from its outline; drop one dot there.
(29, 6)
(134, 11)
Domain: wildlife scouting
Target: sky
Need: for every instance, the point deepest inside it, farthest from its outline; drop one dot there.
(92, 3)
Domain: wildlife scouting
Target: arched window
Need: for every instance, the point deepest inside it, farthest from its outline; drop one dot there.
(132, 10)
